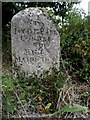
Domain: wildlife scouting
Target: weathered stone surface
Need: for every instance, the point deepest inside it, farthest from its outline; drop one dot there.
(35, 41)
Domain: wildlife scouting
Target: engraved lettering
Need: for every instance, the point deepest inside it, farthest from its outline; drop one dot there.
(35, 41)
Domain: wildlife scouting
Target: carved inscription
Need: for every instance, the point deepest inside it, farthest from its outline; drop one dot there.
(35, 40)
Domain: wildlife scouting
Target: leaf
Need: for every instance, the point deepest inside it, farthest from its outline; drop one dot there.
(48, 106)
(71, 108)
(10, 106)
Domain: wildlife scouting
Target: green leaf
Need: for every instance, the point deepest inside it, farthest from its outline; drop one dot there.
(10, 106)
(71, 108)
(48, 106)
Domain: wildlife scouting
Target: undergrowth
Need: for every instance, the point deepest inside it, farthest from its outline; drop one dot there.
(45, 94)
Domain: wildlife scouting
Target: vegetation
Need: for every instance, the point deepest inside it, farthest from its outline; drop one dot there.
(44, 94)
(64, 92)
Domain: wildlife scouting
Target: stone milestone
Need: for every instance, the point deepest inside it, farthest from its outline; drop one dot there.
(35, 42)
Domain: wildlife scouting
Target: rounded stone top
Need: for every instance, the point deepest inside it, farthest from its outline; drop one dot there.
(29, 12)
